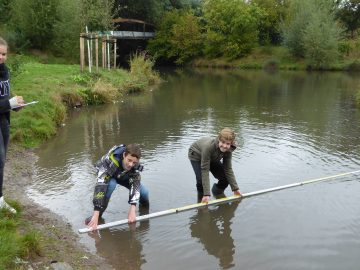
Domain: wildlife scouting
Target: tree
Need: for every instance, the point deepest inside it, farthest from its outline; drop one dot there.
(178, 38)
(231, 27)
(349, 14)
(313, 33)
(275, 12)
(34, 20)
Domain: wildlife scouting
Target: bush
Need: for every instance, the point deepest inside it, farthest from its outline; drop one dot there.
(312, 32)
(178, 38)
(231, 27)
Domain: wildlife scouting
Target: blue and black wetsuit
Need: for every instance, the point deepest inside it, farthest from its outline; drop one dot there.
(111, 173)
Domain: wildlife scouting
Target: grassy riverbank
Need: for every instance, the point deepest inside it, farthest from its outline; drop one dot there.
(278, 57)
(58, 87)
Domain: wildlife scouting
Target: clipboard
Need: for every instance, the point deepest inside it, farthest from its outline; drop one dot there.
(26, 104)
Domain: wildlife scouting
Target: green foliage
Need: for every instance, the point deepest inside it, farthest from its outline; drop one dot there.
(151, 11)
(4, 11)
(231, 27)
(312, 32)
(15, 65)
(349, 14)
(34, 20)
(294, 27)
(275, 11)
(67, 28)
(31, 244)
(96, 14)
(321, 37)
(178, 38)
(9, 240)
(345, 47)
(141, 73)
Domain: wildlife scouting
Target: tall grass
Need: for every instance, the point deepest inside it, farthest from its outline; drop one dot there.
(142, 73)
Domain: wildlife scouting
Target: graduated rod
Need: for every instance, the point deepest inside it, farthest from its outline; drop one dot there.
(215, 202)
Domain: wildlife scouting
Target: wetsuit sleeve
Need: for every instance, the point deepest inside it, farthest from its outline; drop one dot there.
(99, 198)
(229, 173)
(134, 190)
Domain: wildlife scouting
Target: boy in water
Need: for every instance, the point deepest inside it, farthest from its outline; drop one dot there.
(214, 155)
(119, 166)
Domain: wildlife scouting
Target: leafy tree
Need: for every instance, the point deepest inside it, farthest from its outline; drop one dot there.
(150, 10)
(178, 37)
(293, 31)
(34, 20)
(67, 28)
(4, 11)
(275, 11)
(96, 14)
(349, 14)
(231, 27)
(312, 32)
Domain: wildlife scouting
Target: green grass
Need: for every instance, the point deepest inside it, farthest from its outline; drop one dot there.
(13, 244)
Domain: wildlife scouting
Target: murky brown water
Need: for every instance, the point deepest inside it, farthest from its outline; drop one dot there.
(293, 126)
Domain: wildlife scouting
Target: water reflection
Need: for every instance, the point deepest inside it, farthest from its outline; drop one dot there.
(213, 229)
(122, 248)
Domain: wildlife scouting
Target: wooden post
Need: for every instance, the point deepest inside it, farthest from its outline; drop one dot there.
(114, 52)
(82, 56)
(88, 48)
(97, 52)
(103, 53)
(108, 51)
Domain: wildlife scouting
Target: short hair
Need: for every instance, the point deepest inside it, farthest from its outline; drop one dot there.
(3, 42)
(227, 134)
(134, 150)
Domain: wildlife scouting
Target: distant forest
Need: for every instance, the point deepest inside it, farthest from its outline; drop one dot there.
(318, 31)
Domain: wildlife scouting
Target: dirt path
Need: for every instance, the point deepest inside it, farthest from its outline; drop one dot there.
(61, 248)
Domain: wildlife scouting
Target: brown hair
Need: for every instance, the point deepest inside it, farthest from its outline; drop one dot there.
(227, 134)
(134, 150)
(3, 42)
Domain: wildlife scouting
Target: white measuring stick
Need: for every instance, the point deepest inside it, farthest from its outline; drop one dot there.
(214, 202)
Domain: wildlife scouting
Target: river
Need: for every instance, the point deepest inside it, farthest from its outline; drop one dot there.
(291, 126)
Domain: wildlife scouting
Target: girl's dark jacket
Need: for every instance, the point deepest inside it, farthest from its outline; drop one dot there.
(4, 92)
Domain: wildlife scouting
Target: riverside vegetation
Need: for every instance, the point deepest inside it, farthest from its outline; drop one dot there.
(57, 87)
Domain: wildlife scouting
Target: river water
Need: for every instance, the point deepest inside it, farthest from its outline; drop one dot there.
(291, 127)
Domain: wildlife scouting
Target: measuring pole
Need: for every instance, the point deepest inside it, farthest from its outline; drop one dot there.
(216, 202)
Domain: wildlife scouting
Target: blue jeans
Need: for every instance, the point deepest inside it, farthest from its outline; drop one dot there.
(144, 193)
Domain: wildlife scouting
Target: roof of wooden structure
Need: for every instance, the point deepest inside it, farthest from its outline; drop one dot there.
(120, 20)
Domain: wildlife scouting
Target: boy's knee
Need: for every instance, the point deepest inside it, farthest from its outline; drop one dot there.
(144, 196)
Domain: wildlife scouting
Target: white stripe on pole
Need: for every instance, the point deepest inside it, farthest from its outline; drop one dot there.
(215, 202)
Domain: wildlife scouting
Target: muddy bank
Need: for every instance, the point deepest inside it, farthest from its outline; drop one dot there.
(60, 245)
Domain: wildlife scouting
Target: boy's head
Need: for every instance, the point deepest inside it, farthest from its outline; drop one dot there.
(227, 134)
(3, 50)
(226, 138)
(132, 156)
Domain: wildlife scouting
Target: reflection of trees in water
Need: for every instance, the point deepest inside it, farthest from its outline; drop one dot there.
(212, 228)
(122, 248)
(309, 104)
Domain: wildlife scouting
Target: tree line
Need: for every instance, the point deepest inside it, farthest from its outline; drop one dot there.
(318, 31)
